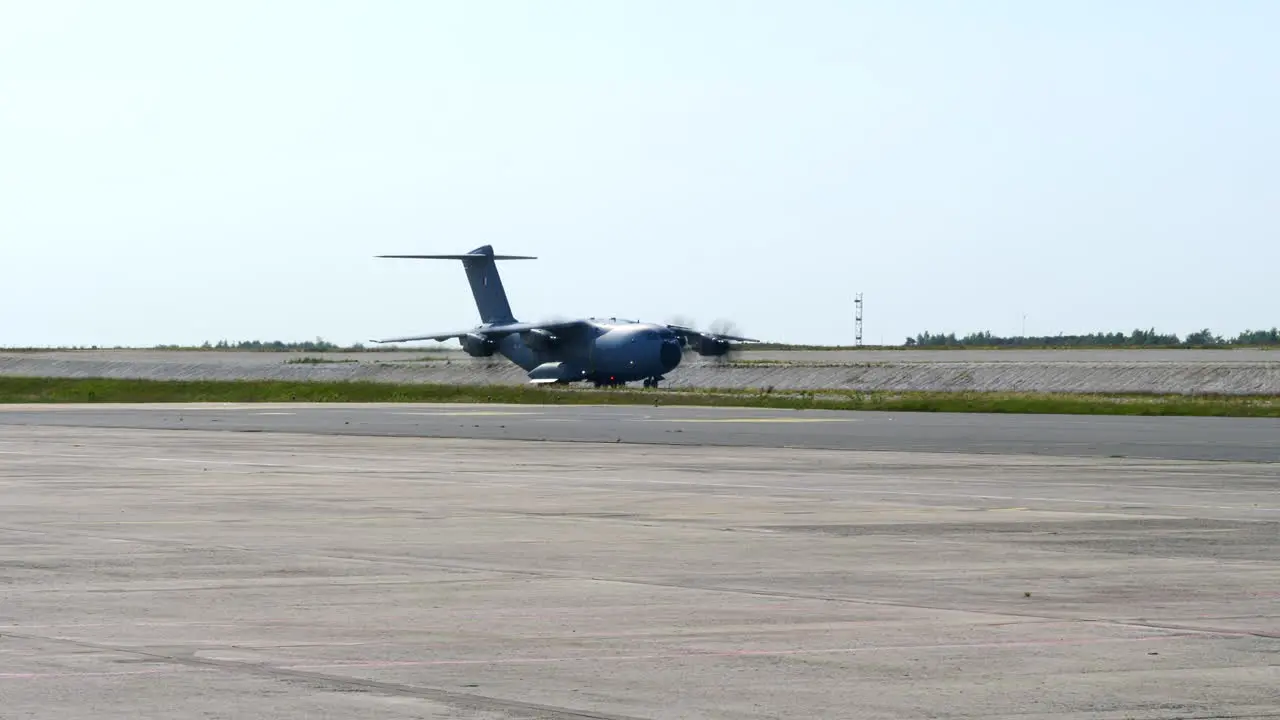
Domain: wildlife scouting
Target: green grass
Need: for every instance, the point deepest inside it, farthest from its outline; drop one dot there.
(67, 390)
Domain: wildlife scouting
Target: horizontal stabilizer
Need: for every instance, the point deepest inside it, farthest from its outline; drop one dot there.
(474, 256)
(482, 274)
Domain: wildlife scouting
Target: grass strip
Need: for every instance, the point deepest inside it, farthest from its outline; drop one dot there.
(95, 390)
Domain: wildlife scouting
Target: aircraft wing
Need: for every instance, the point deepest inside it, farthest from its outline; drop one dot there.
(437, 336)
(492, 331)
(690, 332)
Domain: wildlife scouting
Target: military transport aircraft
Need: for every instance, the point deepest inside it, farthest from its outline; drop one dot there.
(604, 352)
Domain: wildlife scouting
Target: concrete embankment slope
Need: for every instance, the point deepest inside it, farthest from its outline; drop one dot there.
(1244, 372)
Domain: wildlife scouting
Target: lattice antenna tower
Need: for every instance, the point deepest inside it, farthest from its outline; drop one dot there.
(857, 320)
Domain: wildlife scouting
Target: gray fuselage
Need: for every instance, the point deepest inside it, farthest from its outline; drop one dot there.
(601, 351)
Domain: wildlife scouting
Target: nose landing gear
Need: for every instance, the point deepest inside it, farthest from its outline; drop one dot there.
(651, 382)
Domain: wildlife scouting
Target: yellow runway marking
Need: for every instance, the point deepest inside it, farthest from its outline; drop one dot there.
(466, 413)
(230, 521)
(752, 420)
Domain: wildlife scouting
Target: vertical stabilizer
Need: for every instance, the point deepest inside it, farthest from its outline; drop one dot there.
(486, 285)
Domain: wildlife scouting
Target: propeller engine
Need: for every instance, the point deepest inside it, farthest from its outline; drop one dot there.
(540, 340)
(715, 342)
(712, 347)
(478, 345)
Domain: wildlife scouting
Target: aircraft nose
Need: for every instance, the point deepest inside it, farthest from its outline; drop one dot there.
(669, 355)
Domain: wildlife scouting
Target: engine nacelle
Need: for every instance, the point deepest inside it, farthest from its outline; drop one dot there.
(478, 345)
(540, 340)
(711, 346)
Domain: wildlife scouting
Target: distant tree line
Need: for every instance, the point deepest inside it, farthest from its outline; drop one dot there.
(317, 345)
(1137, 338)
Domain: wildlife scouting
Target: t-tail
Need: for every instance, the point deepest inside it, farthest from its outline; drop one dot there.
(486, 285)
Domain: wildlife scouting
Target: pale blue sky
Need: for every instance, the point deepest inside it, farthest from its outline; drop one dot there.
(183, 171)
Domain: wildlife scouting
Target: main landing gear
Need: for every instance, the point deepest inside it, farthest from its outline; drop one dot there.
(648, 382)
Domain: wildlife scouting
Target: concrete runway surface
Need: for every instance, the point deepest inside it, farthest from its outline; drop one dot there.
(1237, 439)
(339, 573)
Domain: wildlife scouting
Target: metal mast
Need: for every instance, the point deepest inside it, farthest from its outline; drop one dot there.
(857, 320)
